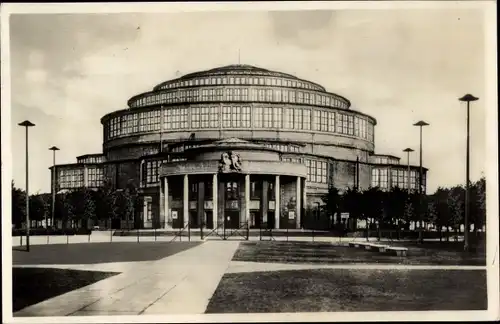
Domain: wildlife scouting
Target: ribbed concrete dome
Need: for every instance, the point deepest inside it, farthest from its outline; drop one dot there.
(237, 69)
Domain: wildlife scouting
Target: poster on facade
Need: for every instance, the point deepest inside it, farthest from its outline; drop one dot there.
(291, 215)
(174, 214)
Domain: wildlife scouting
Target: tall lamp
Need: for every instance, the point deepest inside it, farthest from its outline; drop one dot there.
(27, 124)
(54, 186)
(420, 124)
(467, 98)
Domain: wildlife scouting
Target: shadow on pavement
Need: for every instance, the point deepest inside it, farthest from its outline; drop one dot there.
(33, 285)
(92, 253)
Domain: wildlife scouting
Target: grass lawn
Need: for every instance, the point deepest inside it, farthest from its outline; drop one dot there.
(331, 290)
(83, 253)
(33, 285)
(319, 252)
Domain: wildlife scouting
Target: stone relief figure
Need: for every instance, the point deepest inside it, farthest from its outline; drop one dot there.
(236, 163)
(229, 162)
(224, 163)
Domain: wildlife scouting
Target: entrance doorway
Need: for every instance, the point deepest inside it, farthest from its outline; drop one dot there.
(193, 219)
(232, 219)
(177, 218)
(209, 219)
(255, 219)
(270, 219)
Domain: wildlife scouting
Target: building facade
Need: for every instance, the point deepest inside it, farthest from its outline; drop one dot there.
(236, 144)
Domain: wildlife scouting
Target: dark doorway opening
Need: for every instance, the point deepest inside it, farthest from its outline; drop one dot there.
(193, 219)
(177, 218)
(255, 219)
(232, 219)
(270, 219)
(209, 219)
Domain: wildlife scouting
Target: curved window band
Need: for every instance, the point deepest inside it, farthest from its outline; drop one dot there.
(239, 117)
(257, 94)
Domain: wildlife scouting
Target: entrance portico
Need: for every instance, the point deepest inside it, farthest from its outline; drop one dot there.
(229, 184)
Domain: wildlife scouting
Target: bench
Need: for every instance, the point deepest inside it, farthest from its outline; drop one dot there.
(399, 251)
(357, 244)
(370, 246)
(379, 247)
(394, 250)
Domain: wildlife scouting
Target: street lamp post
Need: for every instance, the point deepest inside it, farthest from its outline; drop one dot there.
(54, 186)
(420, 179)
(27, 124)
(467, 98)
(408, 151)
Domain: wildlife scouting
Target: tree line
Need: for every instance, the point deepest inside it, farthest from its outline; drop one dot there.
(79, 206)
(396, 209)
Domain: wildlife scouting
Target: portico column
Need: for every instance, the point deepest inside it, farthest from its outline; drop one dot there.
(162, 220)
(299, 205)
(85, 177)
(166, 207)
(247, 197)
(304, 196)
(277, 206)
(215, 199)
(144, 211)
(185, 203)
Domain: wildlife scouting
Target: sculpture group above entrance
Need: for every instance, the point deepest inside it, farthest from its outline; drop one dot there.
(229, 162)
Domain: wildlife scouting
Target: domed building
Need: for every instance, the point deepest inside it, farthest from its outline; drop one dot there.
(236, 144)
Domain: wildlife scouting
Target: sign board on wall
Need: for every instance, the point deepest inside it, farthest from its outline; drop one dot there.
(209, 204)
(254, 204)
(271, 205)
(174, 214)
(232, 204)
(291, 214)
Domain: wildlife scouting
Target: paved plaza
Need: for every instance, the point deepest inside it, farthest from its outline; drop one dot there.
(199, 277)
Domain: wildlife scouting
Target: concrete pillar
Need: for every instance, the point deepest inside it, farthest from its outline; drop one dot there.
(85, 176)
(161, 215)
(201, 204)
(185, 201)
(277, 205)
(215, 200)
(221, 204)
(299, 205)
(304, 195)
(144, 211)
(264, 202)
(389, 178)
(247, 198)
(166, 207)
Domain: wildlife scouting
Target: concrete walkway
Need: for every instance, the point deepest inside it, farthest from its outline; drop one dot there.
(179, 284)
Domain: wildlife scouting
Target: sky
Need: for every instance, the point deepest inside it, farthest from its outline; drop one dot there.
(399, 66)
